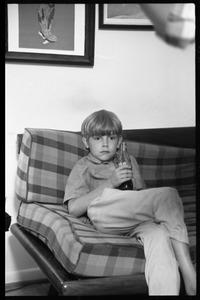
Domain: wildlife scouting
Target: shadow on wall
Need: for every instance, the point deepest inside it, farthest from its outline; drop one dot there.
(23, 266)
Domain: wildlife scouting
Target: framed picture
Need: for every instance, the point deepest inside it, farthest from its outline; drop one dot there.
(50, 33)
(123, 16)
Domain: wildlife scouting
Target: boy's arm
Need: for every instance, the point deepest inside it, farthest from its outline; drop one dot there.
(77, 205)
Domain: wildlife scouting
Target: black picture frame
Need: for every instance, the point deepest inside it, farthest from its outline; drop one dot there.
(121, 25)
(87, 59)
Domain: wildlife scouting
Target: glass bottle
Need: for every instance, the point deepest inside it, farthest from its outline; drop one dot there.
(124, 158)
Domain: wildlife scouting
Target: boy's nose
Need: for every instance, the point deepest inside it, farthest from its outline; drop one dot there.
(105, 141)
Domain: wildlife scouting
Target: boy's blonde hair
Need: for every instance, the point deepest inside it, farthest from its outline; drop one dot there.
(101, 123)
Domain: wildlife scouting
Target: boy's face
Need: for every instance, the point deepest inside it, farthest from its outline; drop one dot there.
(103, 147)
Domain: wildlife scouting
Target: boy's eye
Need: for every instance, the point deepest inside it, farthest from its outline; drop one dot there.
(112, 137)
(96, 138)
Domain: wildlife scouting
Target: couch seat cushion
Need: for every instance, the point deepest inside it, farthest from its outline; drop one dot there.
(78, 246)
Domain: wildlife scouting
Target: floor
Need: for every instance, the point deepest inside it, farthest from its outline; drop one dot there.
(38, 289)
(42, 289)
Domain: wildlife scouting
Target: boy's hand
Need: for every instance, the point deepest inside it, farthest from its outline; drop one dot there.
(121, 174)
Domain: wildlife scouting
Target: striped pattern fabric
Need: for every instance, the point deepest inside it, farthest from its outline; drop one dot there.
(45, 161)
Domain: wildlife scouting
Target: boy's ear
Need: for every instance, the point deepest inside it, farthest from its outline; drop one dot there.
(119, 142)
(84, 140)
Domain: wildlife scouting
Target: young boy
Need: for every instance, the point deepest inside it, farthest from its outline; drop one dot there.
(154, 216)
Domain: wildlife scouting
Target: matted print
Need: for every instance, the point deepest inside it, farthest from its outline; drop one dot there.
(50, 33)
(123, 16)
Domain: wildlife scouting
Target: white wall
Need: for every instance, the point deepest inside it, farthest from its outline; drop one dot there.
(147, 83)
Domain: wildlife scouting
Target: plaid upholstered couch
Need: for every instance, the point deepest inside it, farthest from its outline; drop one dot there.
(78, 250)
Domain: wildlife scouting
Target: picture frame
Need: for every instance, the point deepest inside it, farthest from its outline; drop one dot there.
(125, 16)
(69, 39)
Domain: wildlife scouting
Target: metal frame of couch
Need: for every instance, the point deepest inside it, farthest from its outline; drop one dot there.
(65, 284)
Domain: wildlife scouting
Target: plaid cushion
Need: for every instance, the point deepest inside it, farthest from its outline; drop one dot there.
(45, 161)
(169, 166)
(79, 247)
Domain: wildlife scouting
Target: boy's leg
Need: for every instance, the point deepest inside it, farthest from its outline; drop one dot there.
(186, 266)
(118, 211)
(161, 268)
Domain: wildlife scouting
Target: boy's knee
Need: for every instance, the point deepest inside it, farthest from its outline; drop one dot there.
(171, 195)
(169, 190)
(158, 234)
(154, 234)
(158, 241)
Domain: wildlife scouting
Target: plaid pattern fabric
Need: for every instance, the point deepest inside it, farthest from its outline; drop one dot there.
(169, 166)
(45, 161)
(79, 247)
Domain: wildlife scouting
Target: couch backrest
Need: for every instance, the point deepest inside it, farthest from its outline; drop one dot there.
(47, 157)
(45, 161)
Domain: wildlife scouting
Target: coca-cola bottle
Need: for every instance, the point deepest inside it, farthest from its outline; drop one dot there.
(124, 158)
